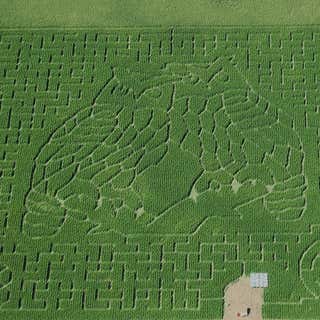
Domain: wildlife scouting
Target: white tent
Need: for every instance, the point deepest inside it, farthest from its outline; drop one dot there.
(259, 280)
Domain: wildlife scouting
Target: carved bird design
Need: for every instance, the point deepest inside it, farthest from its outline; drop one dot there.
(167, 149)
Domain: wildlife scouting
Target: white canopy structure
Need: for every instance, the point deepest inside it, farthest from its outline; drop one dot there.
(259, 280)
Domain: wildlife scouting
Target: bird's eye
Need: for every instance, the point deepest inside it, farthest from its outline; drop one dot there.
(155, 92)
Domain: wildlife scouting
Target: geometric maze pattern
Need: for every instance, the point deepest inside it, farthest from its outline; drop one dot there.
(142, 171)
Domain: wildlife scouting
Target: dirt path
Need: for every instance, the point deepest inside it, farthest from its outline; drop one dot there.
(239, 298)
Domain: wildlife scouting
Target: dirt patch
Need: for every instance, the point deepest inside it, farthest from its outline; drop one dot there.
(242, 301)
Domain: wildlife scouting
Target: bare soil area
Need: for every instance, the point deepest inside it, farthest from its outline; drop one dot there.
(242, 301)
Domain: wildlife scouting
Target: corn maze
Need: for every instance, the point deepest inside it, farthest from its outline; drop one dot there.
(143, 170)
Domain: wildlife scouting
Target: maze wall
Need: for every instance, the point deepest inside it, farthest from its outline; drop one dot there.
(142, 171)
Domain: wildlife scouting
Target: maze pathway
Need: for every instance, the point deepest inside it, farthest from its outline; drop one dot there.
(143, 170)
